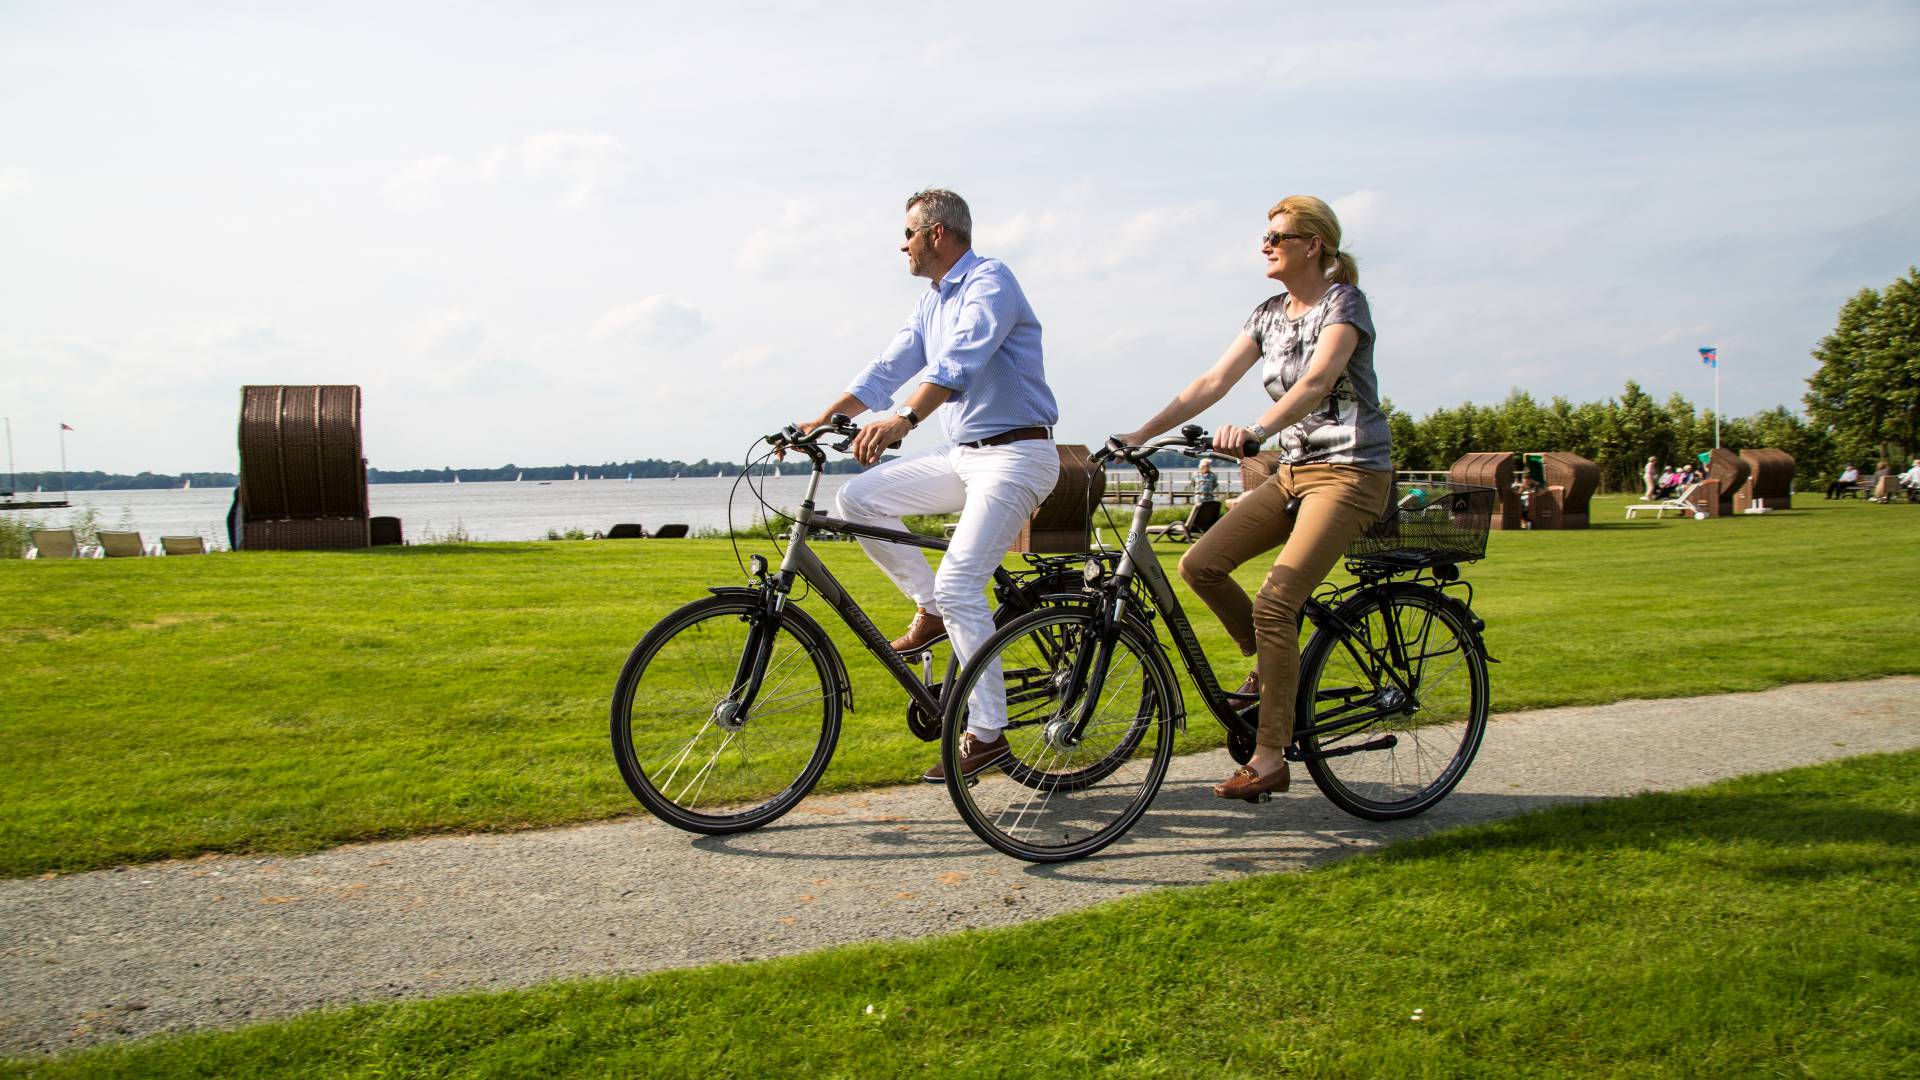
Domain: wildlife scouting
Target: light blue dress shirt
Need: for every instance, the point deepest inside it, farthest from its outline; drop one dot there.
(975, 334)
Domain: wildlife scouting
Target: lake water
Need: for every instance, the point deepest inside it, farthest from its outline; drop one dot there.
(482, 511)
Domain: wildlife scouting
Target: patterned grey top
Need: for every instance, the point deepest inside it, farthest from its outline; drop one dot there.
(1347, 428)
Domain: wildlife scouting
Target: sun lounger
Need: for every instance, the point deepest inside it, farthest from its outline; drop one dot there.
(1678, 504)
(121, 545)
(670, 532)
(627, 531)
(1199, 520)
(54, 544)
(183, 545)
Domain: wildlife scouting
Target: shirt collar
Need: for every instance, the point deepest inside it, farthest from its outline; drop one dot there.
(968, 260)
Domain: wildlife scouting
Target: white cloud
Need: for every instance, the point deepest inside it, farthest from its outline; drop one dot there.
(451, 334)
(15, 183)
(657, 321)
(580, 165)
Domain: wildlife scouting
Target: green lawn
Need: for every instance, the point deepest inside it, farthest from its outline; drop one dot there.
(1764, 926)
(165, 707)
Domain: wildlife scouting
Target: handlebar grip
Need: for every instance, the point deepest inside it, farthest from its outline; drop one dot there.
(1251, 449)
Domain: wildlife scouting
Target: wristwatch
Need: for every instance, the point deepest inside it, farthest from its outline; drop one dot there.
(1258, 432)
(905, 412)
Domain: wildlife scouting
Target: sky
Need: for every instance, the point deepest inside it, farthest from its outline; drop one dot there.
(576, 233)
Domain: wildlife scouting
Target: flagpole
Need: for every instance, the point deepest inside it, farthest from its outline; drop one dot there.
(1716, 399)
(64, 493)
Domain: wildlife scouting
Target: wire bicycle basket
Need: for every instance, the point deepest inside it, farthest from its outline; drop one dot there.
(1427, 524)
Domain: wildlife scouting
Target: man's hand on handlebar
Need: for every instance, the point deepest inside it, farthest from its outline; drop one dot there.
(878, 437)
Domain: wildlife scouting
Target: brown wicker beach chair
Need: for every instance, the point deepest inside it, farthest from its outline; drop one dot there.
(1769, 485)
(1726, 472)
(1062, 522)
(303, 481)
(1492, 469)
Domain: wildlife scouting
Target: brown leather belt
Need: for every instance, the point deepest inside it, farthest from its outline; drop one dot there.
(1019, 434)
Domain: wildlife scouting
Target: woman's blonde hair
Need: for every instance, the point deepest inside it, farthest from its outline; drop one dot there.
(1315, 218)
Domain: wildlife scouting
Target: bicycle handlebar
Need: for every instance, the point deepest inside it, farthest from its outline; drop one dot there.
(1191, 441)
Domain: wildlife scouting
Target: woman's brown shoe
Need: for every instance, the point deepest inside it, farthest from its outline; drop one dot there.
(1249, 689)
(1251, 786)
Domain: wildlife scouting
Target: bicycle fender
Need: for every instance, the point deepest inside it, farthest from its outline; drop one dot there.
(1474, 624)
(807, 627)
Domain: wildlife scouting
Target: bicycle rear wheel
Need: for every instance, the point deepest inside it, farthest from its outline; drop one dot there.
(1056, 797)
(687, 750)
(1392, 711)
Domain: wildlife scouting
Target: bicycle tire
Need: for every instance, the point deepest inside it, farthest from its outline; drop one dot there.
(1433, 736)
(1047, 801)
(669, 713)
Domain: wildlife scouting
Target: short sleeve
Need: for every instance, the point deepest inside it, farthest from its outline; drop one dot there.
(1349, 305)
(1257, 322)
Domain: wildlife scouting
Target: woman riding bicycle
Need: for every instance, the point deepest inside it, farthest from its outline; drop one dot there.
(1316, 342)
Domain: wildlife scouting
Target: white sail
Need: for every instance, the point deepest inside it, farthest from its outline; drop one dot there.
(519, 476)
(187, 484)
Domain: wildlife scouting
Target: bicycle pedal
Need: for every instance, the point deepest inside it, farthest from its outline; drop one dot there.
(1265, 796)
(973, 781)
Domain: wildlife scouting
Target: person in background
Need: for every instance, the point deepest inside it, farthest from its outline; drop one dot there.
(1205, 484)
(1848, 480)
(1882, 489)
(1911, 480)
(1651, 474)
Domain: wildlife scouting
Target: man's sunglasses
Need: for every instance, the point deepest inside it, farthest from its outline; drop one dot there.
(914, 229)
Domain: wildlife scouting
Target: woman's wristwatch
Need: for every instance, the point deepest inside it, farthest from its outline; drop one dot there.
(1259, 432)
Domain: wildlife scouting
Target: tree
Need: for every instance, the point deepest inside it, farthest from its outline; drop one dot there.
(1866, 393)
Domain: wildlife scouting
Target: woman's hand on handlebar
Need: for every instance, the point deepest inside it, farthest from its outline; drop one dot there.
(1232, 440)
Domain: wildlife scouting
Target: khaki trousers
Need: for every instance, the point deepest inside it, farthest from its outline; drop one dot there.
(1337, 503)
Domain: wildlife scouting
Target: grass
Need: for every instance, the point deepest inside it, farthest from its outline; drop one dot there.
(290, 701)
(1764, 926)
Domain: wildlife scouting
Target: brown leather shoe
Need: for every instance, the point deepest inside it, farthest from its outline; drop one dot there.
(975, 755)
(1251, 786)
(1248, 689)
(925, 629)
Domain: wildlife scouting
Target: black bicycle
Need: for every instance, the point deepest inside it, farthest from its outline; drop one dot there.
(1393, 694)
(728, 710)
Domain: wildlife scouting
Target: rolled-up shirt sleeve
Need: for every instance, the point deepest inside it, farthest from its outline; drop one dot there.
(898, 362)
(988, 311)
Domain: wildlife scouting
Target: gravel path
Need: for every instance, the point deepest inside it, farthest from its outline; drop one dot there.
(219, 941)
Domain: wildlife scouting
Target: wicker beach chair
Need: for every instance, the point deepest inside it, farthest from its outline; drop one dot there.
(1769, 485)
(182, 545)
(1063, 520)
(303, 481)
(54, 544)
(121, 545)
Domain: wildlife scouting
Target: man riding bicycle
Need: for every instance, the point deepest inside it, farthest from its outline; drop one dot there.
(975, 337)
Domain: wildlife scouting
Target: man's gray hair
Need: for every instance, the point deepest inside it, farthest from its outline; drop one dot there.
(938, 206)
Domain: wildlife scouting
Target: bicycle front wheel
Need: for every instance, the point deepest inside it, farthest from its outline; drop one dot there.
(1061, 794)
(685, 746)
(1392, 708)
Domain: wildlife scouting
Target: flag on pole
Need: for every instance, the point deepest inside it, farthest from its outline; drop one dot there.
(1710, 356)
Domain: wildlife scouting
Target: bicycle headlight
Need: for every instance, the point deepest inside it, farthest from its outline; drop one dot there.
(1091, 572)
(757, 565)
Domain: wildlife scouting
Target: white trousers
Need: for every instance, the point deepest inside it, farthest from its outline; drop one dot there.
(995, 489)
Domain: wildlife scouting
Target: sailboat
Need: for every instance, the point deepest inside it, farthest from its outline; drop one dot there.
(721, 475)
(776, 472)
(187, 484)
(456, 478)
(519, 476)
(576, 474)
(629, 476)
(675, 476)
